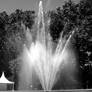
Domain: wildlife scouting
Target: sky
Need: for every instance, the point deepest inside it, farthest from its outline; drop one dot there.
(11, 5)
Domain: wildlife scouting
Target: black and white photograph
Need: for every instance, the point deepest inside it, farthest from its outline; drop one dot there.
(46, 45)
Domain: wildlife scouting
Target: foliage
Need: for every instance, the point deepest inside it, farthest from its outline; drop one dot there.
(12, 35)
(56, 23)
(77, 16)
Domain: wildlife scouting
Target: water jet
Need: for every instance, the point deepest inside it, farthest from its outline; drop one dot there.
(41, 64)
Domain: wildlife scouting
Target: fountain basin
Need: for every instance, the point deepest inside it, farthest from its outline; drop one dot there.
(71, 90)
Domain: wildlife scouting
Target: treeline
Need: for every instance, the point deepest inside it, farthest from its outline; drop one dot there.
(71, 16)
(12, 35)
(77, 17)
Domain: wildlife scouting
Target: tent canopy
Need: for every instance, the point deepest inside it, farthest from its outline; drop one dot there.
(3, 79)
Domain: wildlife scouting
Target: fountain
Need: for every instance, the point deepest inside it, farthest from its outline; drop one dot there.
(43, 59)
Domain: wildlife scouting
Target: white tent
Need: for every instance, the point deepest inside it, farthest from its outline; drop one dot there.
(4, 80)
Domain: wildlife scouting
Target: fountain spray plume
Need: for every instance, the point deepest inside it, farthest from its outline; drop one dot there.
(41, 25)
(60, 45)
(46, 63)
(41, 58)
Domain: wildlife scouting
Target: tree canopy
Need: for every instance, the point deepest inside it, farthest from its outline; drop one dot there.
(70, 17)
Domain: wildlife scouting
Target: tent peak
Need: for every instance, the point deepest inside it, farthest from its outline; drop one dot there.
(3, 79)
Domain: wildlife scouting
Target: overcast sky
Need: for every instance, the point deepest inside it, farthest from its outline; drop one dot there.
(11, 5)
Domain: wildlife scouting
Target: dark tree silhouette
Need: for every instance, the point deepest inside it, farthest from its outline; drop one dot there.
(79, 16)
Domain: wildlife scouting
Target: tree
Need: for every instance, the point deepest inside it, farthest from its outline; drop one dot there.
(56, 23)
(70, 17)
(27, 17)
